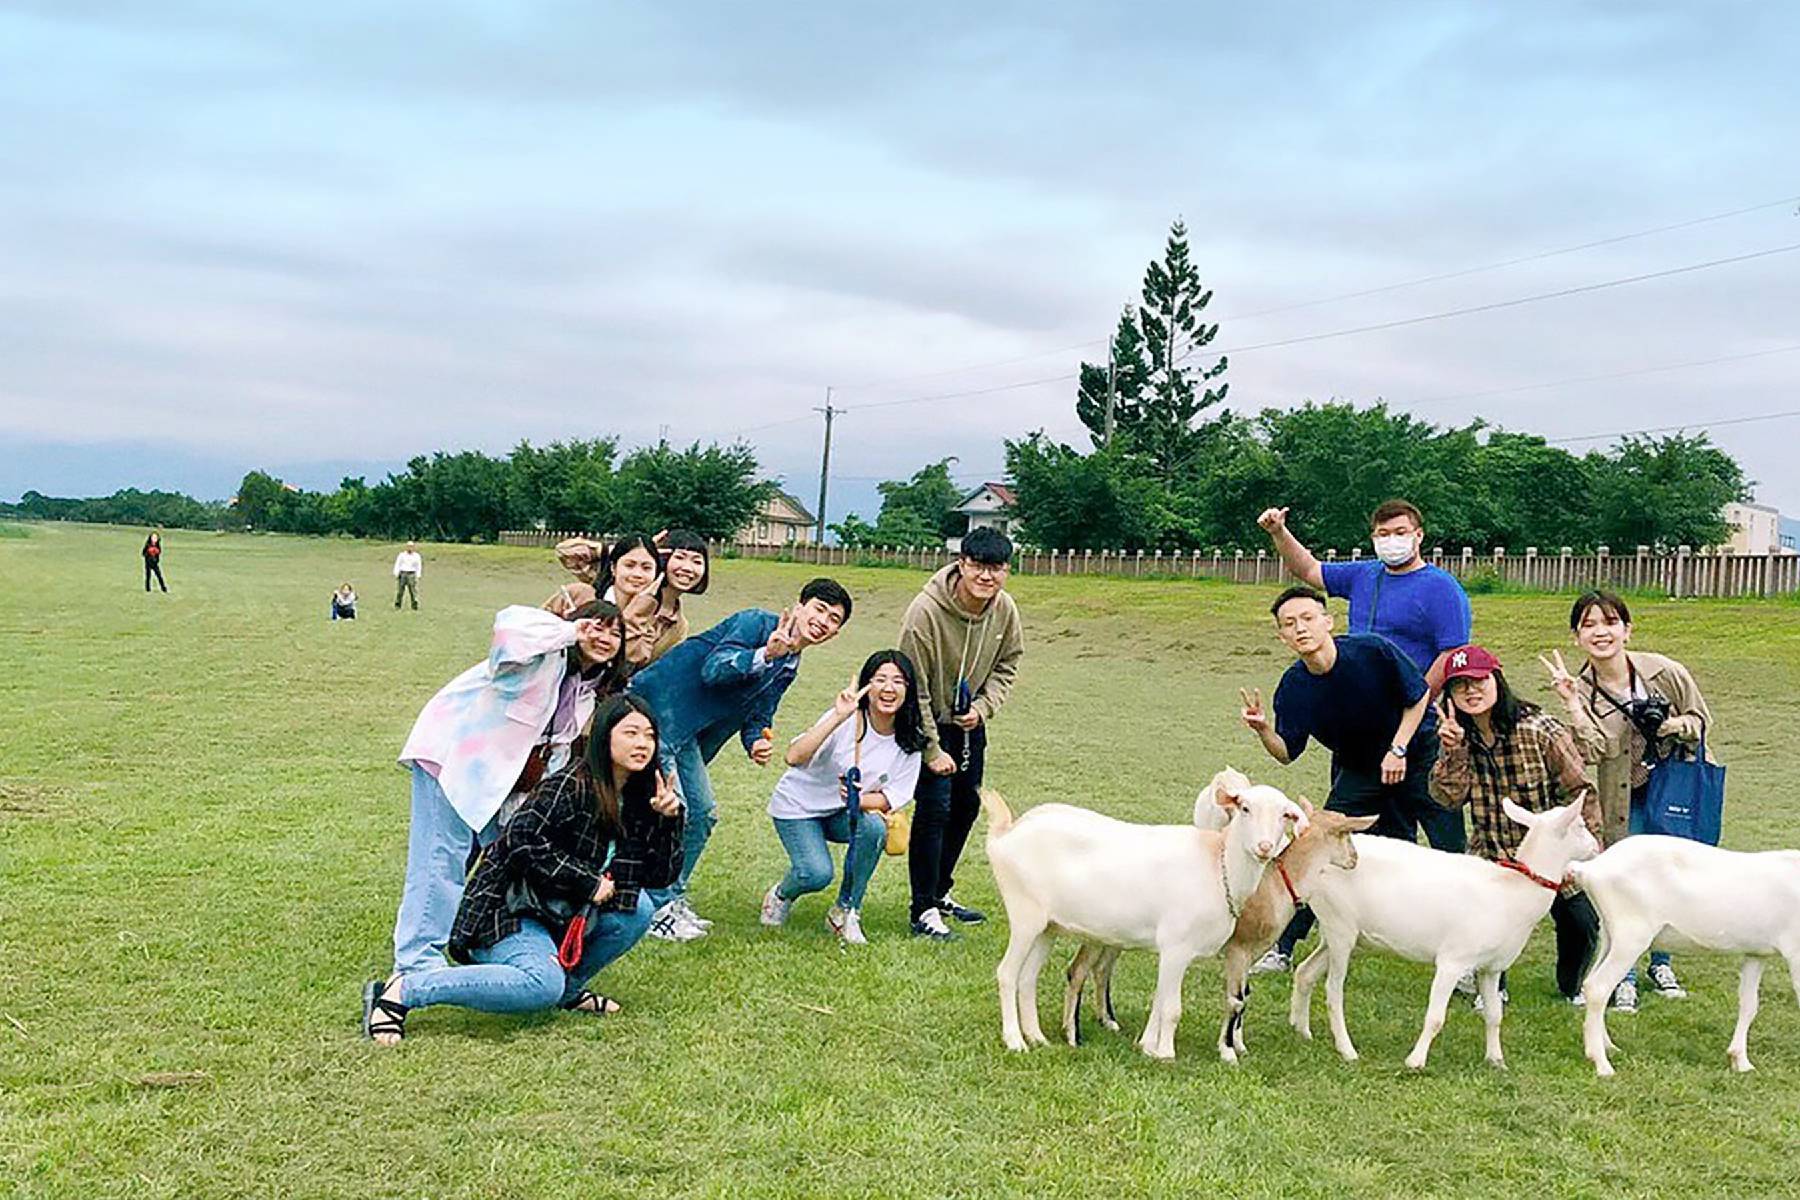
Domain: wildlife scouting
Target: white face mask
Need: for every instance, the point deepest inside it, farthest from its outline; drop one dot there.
(1396, 550)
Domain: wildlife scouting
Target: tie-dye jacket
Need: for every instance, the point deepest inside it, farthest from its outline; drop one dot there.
(476, 733)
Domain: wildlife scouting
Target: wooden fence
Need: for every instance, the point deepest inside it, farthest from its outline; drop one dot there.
(1681, 573)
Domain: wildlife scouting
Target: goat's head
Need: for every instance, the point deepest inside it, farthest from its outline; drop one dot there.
(1262, 816)
(1335, 829)
(1560, 831)
(1209, 811)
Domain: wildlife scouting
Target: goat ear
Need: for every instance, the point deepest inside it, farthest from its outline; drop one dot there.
(1230, 784)
(1360, 824)
(1306, 806)
(1524, 816)
(1302, 819)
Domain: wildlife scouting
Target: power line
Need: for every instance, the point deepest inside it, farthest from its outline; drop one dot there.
(1555, 383)
(1357, 295)
(1598, 437)
(1402, 322)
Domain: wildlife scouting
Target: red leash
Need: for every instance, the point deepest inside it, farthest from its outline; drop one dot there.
(1513, 864)
(1281, 869)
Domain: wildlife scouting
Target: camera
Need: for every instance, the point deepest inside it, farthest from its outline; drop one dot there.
(1648, 716)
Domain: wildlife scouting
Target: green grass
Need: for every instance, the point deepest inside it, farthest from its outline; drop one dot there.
(202, 832)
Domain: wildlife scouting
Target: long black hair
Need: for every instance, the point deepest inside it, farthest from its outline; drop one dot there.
(598, 764)
(1508, 709)
(909, 723)
(687, 539)
(603, 579)
(608, 676)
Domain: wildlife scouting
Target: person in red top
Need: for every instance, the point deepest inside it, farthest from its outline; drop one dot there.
(153, 561)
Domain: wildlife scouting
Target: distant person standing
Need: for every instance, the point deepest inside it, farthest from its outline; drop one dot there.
(1420, 608)
(153, 561)
(964, 637)
(407, 567)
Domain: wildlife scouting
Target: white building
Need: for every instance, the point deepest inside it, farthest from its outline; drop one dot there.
(782, 521)
(1755, 529)
(990, 506)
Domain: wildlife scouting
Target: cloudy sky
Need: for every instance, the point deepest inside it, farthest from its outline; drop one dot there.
(321, 238)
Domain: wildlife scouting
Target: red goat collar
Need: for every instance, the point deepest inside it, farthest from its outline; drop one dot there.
(1513, 864)
(1281, 869)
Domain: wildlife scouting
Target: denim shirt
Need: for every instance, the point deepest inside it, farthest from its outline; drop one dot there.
(716, 683)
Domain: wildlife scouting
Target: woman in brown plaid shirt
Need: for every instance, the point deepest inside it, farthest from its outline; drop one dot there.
(1494, 745)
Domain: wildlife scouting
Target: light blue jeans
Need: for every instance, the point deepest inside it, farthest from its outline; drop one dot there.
(520, 973)
(1638, 822)
(437, 864)
(695, 786)
(805, 840)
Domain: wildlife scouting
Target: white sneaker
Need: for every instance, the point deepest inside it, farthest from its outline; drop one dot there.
(1625, 997)
(1578, 1000)
(1272, 962)
(671, 925)
(774, 909)
(1662, 978)
(693, 918)
(847, 924)
(1466, 985)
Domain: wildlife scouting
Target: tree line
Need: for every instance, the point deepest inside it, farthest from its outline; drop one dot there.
(579, 484)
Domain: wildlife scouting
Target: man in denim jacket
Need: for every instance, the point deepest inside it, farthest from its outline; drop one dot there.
(724, 681)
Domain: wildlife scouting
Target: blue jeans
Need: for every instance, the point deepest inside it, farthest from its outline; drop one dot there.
(805, 840)
(520, 973)
(695, 786)
(437, 865)
(1638, 822)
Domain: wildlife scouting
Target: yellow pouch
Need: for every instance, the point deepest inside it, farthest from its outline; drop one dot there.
(899, 830)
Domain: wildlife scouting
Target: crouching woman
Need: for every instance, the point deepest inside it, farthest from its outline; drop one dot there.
(560, 894)
(875, 730)
(1494, 746)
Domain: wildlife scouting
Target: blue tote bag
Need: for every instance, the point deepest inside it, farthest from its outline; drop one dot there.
(1685, 797)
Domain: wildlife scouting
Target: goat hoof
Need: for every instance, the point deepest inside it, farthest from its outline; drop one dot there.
(1110, 1023)
(1499, 1064)
(1604, 1070)
(1228, 1055)
(1414, 1063)
(1036, 1039)
(1016, 1045)
(1741, 1063)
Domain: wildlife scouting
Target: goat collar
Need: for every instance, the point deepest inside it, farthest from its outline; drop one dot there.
(1231, 905)
(1513, 864)
(1288, 883)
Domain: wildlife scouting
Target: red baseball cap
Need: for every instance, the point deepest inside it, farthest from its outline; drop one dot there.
(1469, 662)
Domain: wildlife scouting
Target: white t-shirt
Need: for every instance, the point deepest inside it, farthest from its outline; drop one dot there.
(812, 790)
(408, 561)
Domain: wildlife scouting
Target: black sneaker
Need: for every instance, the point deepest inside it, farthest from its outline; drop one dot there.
(929, 924)
(968, 916)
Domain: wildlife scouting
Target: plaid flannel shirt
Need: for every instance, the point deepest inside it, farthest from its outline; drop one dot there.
(558, 845)
(1537, 765)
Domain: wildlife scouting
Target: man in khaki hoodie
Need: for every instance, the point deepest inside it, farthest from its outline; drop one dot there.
(963, 635)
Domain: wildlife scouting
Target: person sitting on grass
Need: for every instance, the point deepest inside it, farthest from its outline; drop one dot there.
(560, 894)
(1494, 746)
(723, 682)
(343, 603)
(488, 735)
(875, 729)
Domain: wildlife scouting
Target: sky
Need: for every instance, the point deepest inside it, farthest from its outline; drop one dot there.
(319, 239)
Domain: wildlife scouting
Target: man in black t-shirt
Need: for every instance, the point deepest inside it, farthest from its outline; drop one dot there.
(1361, 698)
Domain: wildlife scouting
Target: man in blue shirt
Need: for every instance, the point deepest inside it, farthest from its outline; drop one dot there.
(726, 681)
(1361, 698)
(1397, 594)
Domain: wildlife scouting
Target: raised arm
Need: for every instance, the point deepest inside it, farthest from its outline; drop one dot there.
(1298, 560)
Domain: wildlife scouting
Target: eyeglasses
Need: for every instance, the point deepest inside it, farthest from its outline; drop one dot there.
(988, 570)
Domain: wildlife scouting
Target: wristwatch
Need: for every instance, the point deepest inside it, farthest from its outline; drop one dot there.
(1397, 750)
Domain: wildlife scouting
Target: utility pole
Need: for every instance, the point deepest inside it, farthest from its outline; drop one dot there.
(825, 463)
(1112, 388)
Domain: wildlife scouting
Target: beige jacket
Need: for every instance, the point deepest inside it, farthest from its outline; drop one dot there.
(1604, 734)
(942, 639)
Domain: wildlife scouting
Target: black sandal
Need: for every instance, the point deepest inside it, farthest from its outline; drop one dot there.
(594, 1004)
(380, 1015)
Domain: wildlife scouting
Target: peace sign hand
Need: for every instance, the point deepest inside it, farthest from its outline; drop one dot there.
(785, 640)
(1560, 679)
(1450, 733)
(848, 699)
(1252, 713)
(667, 801)
(646, 602)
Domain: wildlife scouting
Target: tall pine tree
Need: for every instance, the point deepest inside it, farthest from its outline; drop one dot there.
(1155, 394)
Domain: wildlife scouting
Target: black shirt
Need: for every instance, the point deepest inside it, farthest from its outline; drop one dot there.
(1354, 709)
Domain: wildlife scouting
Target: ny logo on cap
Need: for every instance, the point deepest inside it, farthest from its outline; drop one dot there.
(1460, 659)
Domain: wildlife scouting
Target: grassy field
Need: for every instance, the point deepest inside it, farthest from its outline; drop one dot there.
(202, 832)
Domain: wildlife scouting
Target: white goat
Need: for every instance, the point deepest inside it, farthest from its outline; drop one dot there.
(1670, 893)
(1454, 910)
(1173, 888)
